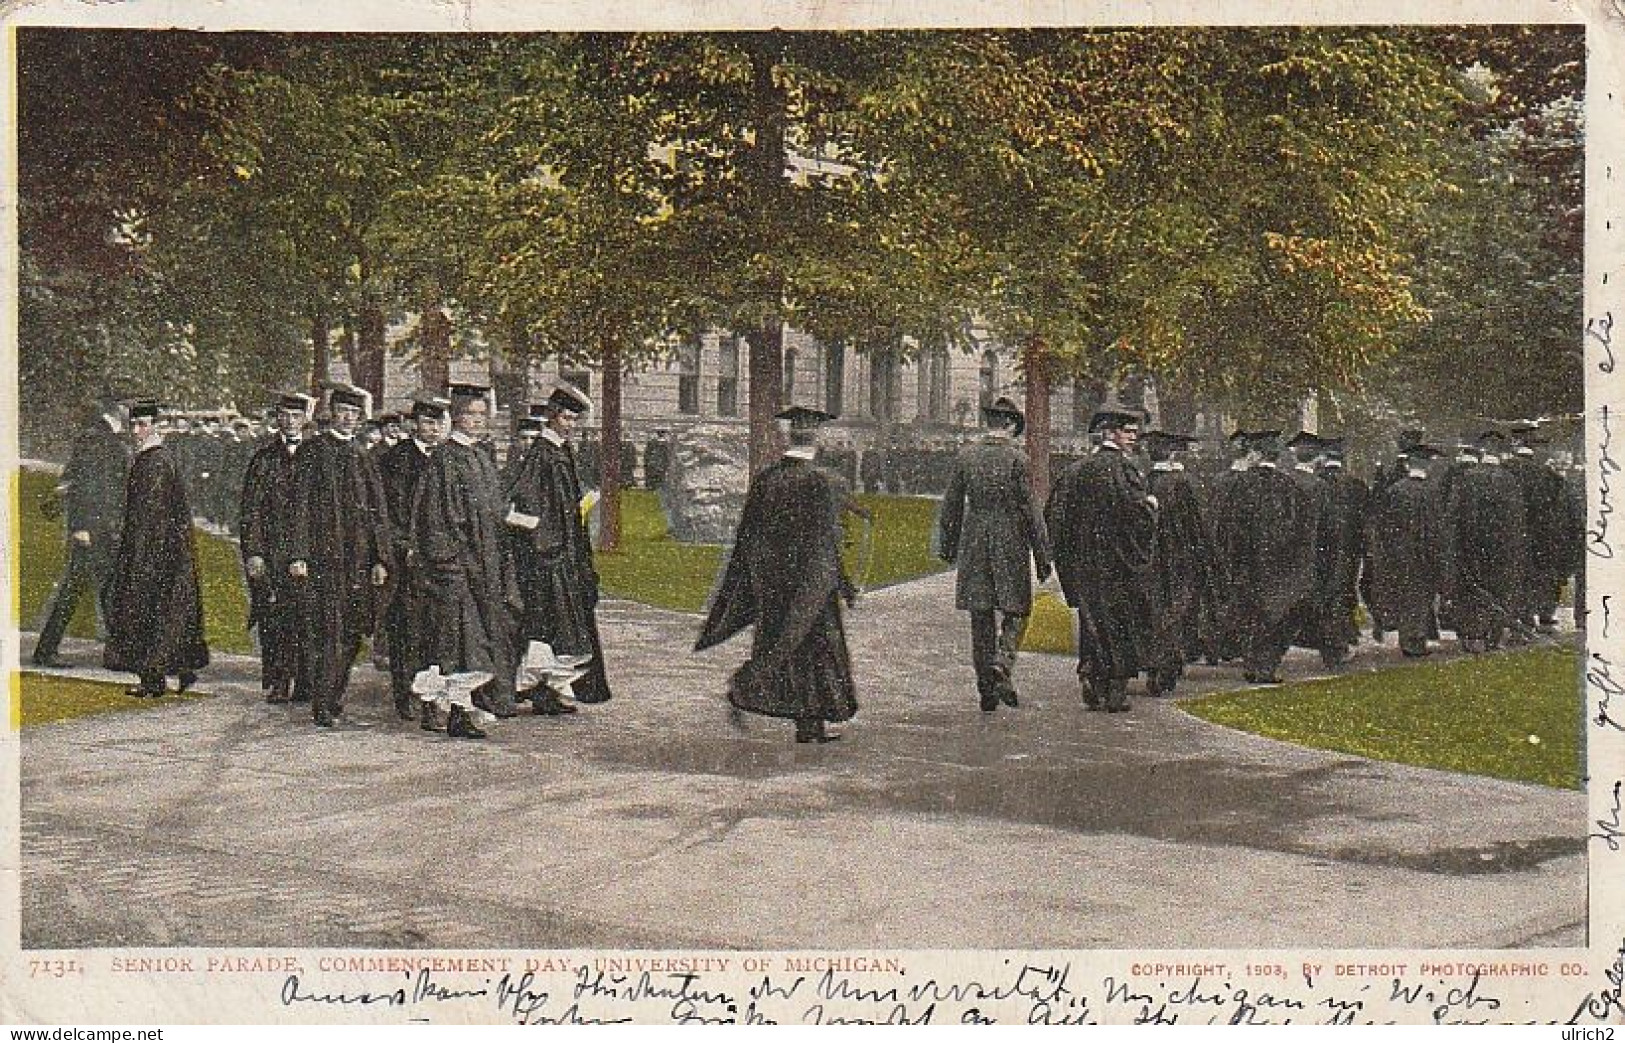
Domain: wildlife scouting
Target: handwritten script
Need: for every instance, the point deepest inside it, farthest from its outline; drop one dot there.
(1036, 992)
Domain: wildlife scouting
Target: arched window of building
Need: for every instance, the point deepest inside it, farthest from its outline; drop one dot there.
(728, 377)
(834, 378)
(885, 384)
(989, 387)
(688, 377)
(933, 383)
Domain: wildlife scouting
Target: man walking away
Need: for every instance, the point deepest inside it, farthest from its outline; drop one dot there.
(991, 527)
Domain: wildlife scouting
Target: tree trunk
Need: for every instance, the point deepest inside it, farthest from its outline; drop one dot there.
(609, 446)
(434, 347)
(1036, 372)
(321, 353)
(766, 161)
(766, 393)
(367, 367)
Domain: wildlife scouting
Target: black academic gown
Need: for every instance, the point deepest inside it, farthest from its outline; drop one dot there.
(154, 603)
(1103, 530)
(1268, 531)
(1544, 533)
(265, 520)
(457, 542)
(557, 581)
(340, 530)
(784, 576)
(1221, 634)
(1485, 566)
(1346, 503)
(407, 625)
(1182, 572)
(1404, 538)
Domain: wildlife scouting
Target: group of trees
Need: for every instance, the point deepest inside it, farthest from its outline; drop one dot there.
(1251, 215)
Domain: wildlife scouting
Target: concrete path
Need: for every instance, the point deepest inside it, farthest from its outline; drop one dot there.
(652, 822)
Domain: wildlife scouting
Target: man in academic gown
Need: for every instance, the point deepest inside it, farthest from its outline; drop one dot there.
(1485, 563)
(991, 528)
(1267, 531)
(1222, 639)
(1181, 564)
(1102, 522)
(92, 490)
(340, 550)
(266, 518)
(1312, 616)
(1347, 502)
(557, 578)
(457, 541)
(1386, 474)
(785, 577)
(154, 603)
(408, 627)
(1405, 529)
(1544, 536)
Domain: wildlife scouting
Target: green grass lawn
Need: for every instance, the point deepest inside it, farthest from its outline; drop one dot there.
(1479, 715)
(225, 601)
(1051, 627)
(47, 699)
(653, 568)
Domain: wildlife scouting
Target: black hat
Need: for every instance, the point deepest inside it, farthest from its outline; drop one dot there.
(1332, 445)
(1492, 438)
(389, 418)
(531, 425)
(1168, 440)
(297, 402)
(1304, 439)
(1408, 437)
(145, 409)
(428, 405)
(1262, 439)
(1423, 451)
(1114, 415)
(349, 395)
(801, 418)
(464, 391)
(1003, 411)
(564, 398)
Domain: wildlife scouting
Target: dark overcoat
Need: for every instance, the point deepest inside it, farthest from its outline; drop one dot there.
(991, 528)
(1404, 536)
(1485, 564)
(1267, 532)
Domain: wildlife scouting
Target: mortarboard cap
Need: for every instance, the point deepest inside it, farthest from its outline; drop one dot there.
(564, 398)
(349, 395)
(1003, 408)
(531, 425)
(145, 409)
(427, 404)
(1304, 439)
(1423, 451)
(1113, 414)
(296, 402)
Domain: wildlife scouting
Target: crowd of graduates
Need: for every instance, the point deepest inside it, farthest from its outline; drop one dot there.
(474, 580)
(1168, 565)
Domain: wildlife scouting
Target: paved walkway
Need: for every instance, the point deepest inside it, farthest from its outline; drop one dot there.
(652, 822)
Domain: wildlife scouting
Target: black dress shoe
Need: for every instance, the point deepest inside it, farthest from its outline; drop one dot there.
(428, 718)
(820, 737)
(499, 712)
(1008, 698)
(49, 662)
(325, 720)
(990, 703)
(547, 704)
(460, 726)
(186, 679)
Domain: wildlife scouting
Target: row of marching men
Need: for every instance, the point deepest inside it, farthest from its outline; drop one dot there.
(1167, 566)
(477, 578)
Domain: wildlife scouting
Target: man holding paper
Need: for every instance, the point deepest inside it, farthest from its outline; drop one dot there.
(456, 541)
(556, 573)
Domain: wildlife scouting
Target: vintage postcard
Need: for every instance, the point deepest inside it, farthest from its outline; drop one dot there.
(817, 514)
